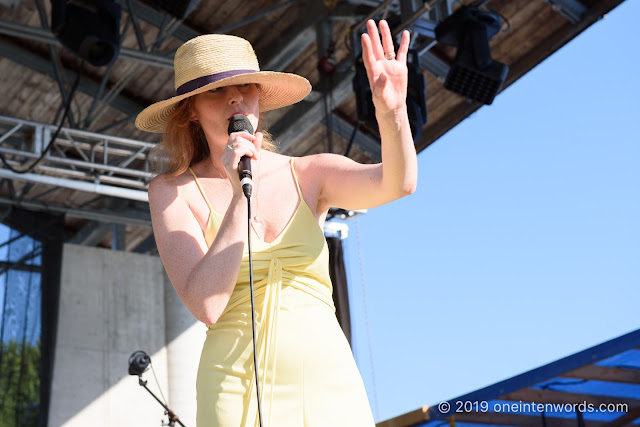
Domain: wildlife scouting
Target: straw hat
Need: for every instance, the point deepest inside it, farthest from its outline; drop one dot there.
(214, 60)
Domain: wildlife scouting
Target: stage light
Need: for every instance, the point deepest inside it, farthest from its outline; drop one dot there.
(473, 74)
(416, 96)
(89, 28)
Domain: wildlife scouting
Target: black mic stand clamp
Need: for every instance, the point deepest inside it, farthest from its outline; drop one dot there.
(138, 363)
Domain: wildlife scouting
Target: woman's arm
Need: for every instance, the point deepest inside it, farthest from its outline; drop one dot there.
(347, 184)
(204, 278)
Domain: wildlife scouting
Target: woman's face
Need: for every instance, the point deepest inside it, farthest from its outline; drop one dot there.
(214, 108)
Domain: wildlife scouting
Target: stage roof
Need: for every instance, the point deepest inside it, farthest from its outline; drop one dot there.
(598, 387)
(98, 172)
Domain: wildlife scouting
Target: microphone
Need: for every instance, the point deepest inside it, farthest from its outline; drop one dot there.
(138, 362)
(241, 123)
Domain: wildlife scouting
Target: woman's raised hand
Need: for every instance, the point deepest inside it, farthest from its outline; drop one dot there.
(386, 70)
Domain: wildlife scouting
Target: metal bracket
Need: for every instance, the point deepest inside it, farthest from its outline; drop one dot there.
(572, 10)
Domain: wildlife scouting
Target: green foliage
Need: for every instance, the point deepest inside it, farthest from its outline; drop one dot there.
(19, 384)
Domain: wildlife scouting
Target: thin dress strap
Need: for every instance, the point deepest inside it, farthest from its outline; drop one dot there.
(204, 195)
(295, 178)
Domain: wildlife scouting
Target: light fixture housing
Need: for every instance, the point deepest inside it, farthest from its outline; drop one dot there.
(473, 74)
(89, 28)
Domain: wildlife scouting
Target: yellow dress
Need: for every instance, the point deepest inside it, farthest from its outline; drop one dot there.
(308, 376)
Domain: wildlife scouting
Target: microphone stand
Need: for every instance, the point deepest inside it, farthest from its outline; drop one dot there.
(173, 418)
(139, 362)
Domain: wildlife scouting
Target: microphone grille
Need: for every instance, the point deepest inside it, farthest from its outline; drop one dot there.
(239, 123)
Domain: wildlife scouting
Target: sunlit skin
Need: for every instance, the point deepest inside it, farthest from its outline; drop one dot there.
(213, 109)
(205, 277)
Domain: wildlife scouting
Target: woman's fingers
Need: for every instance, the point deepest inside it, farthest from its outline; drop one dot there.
(404, 47)
(387, 41)
(243, 143)
(367, 55)
(239, 144)
(376, 45)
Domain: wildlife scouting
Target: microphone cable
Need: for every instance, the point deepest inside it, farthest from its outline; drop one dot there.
(67, 109)
(253, 311)
(240, 123)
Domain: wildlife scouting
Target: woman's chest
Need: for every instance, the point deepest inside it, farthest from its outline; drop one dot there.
(274, 203)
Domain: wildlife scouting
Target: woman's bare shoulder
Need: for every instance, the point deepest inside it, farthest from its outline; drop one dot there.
(316, 165)
(165, 183)
(274, 157)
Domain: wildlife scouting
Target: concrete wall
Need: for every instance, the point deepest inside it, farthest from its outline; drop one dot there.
(112, 304)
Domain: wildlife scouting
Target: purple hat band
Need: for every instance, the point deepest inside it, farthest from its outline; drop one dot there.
(211, 78)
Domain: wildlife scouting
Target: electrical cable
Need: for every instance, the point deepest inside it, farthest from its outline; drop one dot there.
(55, 135)
(253, 311)
(366, 318)
(327, 116)
(327, 66)
(166, 402)
(353, 137)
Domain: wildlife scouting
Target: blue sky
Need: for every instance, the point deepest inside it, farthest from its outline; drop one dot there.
(521, 244)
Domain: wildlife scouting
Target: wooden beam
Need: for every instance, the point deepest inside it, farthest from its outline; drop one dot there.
(91, 234)
(295, 39)
(511, 419)
(305, 115)
(86, 86)
(605, 373)
(367, 144)
(626, 419)
(147, 245)
(279, 57)
(563, 397)
(408, 419)
(156, 18)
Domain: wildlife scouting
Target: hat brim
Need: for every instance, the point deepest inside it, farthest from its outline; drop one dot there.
(276, 90)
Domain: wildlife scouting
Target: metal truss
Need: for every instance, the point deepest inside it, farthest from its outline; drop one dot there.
(46, 36)
(119, 167)
(28, 262)
(80, 160)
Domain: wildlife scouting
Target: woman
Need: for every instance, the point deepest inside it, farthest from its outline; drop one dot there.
(307, 374)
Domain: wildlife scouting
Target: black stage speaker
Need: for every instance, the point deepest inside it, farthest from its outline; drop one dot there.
(89, 28)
